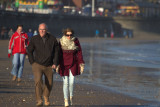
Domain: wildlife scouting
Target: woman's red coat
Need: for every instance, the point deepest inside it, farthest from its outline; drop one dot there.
(71, 59)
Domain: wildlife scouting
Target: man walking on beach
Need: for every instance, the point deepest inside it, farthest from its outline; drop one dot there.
(45, 58)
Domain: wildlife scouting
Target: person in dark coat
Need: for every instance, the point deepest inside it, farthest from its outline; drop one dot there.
(43, 53)
(10, 33)
(30, 34)
(71, 62)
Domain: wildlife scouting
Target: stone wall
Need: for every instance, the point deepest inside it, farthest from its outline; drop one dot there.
(83, 26)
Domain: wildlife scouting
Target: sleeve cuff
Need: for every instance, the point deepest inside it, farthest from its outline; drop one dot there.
(9, 51)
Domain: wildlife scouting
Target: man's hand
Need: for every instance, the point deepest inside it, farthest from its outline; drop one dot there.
(54, 66)
(57, 69)
(9, 55)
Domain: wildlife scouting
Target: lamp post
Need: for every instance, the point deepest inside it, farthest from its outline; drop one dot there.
(93, 8)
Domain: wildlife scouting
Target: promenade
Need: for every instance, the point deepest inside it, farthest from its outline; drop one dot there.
(13, 94)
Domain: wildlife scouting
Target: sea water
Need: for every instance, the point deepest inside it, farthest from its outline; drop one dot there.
(130, 67)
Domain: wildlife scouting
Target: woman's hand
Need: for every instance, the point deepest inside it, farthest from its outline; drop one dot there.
(81, 68)
(9, 55)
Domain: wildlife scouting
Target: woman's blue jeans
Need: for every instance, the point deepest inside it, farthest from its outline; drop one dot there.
(18, 64)
(68, 85)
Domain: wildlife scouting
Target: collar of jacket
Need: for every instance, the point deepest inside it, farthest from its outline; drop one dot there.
(19, 34)
(46, 36)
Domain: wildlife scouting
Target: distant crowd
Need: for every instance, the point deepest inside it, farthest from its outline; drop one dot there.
(7, 34)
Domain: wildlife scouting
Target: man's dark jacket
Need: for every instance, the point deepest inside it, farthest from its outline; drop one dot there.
(43, 53)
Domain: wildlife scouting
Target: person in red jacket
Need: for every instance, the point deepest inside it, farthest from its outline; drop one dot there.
(71, 62)
(17, 47)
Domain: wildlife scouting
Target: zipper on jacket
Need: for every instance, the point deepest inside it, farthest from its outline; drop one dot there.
(20, 42)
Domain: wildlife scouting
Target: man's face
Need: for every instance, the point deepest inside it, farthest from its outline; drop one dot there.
(42, 30)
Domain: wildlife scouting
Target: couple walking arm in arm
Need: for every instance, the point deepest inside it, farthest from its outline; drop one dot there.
(45, 54)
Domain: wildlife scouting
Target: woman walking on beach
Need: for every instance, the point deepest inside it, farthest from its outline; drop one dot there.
(17, 47)
(71, 63)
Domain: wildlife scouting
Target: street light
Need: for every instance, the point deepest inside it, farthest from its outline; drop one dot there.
(93, 6)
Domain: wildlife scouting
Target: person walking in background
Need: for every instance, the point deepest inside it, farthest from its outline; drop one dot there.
(97, 33)
(3, 33)
(112, 34)
(71, 63)
(17, 47)
(10, 33)
(35, 33)
(43, 51)
(30, 34)
(105, 33)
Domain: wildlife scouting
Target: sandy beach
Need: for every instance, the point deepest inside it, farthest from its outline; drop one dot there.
(13, 94)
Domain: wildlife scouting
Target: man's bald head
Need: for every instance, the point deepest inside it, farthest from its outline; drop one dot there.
(42, 29)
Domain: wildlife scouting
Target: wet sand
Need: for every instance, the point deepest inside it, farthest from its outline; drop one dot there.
(13, 94)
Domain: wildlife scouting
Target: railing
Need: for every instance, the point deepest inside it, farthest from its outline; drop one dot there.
(31, 10)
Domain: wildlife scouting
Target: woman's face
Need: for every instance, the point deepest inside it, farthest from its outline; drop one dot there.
(19, 29)
(69, 35)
